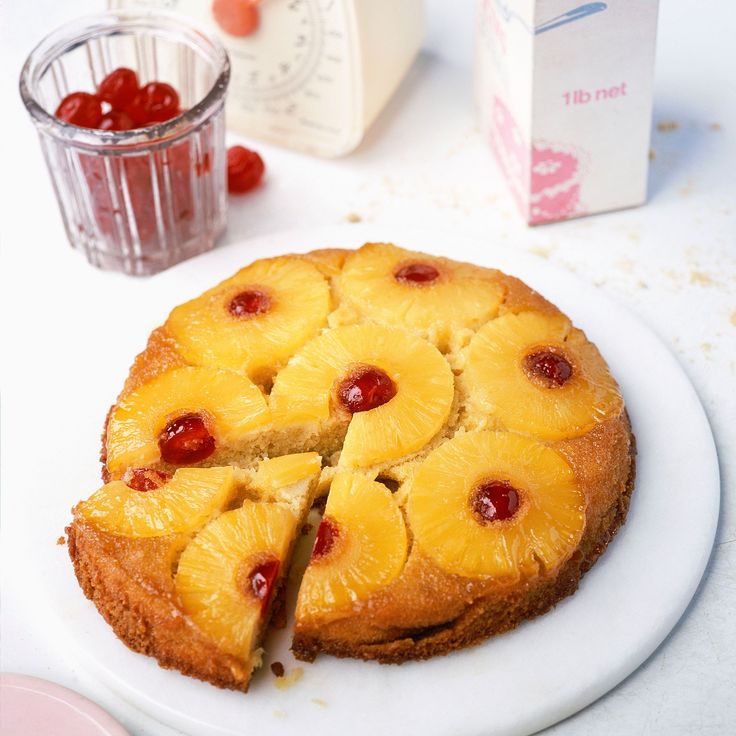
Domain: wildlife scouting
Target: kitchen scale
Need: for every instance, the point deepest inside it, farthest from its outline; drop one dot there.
(311, 74)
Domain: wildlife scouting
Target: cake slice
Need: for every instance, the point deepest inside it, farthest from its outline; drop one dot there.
(361, 547)
(198, 601)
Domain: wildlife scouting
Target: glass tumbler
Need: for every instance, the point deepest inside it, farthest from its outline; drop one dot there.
(140, 200)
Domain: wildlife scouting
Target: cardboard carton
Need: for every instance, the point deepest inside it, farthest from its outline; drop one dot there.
(564, 92)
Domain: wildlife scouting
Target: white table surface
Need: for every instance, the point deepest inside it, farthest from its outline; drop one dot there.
(673, 262)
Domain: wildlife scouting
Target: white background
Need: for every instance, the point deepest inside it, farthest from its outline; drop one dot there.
(673, 262)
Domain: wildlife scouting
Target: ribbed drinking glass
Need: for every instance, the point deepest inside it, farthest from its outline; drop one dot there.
(138, 200)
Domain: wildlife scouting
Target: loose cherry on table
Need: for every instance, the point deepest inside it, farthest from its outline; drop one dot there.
(365, 388)
(186, 439)
(244, 169)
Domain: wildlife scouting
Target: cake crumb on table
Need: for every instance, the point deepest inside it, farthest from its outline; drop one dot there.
(353, 217)
(320, 702)
(288, 681)
(667, 126)
(716, 126)
(700, 279)
(541, 251)
(278, 669)
(61, 540)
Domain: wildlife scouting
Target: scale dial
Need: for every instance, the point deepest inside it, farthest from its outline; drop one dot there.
(271, 66)
(314, 73)
(295, 80)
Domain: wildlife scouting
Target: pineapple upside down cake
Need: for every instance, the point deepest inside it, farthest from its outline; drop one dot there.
(473, 448)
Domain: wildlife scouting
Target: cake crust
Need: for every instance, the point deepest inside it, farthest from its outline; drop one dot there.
(130, 583)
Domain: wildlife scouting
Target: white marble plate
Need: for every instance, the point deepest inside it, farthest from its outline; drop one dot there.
(517, 683)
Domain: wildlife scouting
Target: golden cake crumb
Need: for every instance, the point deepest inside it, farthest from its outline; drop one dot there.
(320, 702)
(667, 126)
(541, 251)
(288, 681)
(700, 278)
(353, 217)
(61, 540)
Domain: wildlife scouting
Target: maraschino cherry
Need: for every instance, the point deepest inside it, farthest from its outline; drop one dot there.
(262, 579)
(495, 500)
(327, 534)
(365, 388)
(159, 101)
(130, 105)
(549, 367)
(186, 439)
(244, 169)
(116, 120)
(417, 273)
(80, 108)
(119, 88)
(248, 303)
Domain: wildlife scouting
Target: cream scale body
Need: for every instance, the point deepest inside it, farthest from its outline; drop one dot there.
(313, 74)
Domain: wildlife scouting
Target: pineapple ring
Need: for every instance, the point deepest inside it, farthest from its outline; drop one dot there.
(461, 296)
(498, 384)
(545, 529)
(303, 390)
(183, 504)
(210, 573)
(207, 333)
(369, 553)
(233, 404)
